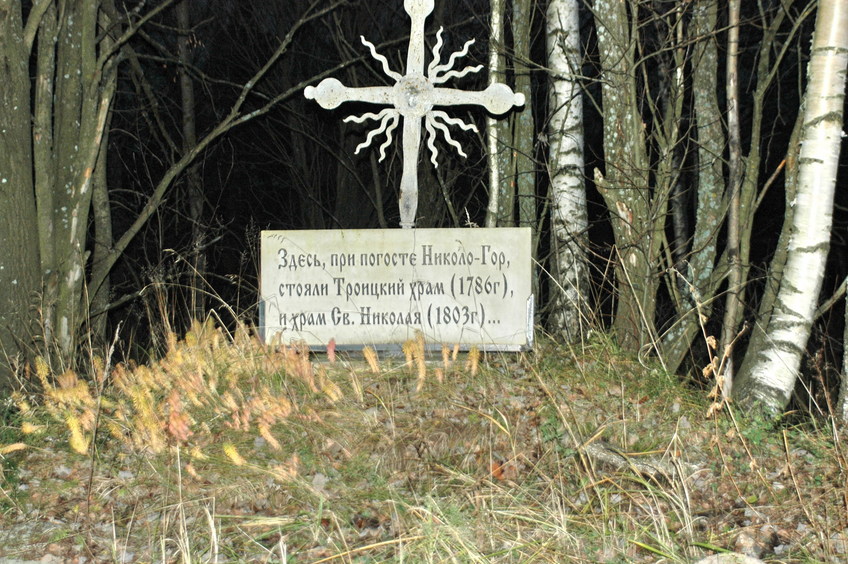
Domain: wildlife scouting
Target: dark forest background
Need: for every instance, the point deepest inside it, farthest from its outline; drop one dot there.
(294, 167)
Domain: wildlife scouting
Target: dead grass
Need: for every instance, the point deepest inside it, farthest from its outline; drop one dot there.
(228, 450)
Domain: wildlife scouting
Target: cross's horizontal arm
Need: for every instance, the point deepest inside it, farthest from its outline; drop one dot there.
(497, 99)
(331, 93)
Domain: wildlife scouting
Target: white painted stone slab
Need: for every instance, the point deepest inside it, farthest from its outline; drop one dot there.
(380, 287)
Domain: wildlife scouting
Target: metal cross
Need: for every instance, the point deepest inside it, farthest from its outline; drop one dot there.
(413, 97)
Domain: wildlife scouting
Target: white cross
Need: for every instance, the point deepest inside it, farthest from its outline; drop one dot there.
(413, 96)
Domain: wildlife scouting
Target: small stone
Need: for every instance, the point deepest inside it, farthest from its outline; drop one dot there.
(729, 558)
(745, 544)
(319, 482)
(62, 471)
(839, 543)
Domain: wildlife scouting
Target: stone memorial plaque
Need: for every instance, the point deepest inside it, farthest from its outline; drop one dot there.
(381, 287)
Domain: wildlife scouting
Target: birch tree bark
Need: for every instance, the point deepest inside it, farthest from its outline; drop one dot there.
(769, 378)
(842, 405)
(493, 132)
(569, 217)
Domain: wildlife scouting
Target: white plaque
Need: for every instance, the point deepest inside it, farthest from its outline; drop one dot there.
(359, 287)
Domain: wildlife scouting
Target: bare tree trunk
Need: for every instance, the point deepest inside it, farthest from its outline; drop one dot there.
(523, 128)
(770, 377)
(192, 174)
(19, 261)
(75, 77)
(495, 207)
(735, 290)
(101, 245)
(50, 152)
(705, 273)
(699, 276)
(569, 217)
(625, 186)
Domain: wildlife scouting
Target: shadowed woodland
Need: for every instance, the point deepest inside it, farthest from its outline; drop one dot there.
(199, 136)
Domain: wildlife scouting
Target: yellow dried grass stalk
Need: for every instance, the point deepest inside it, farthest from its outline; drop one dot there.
(42, 370)
(297, 363)
(171, 339)
(420, 364)
(233, 454)
(28, 428)
(287, 471)
(77, 441)
(190, 470)
(327, 386)
(408, 351)
(87, 419)
(473, 364)
(265, 433)
(21, 403)
(67, 380)
(440, 375)
(14, 447)
(179, 423)
(371, 357)
(117, 432)
(420, 359)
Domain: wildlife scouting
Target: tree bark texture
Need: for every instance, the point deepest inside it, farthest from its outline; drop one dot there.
(19, 261)
(770, 378)
(194, 192)
(625, 184)
(569, 216)
(494, 142)
(523, 128)
(735, 288)
(84, 78)
(699, 276)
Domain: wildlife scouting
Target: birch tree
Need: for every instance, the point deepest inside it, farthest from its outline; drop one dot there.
(569, 220)
(768, 374)
(661, 76)
(842, 406)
